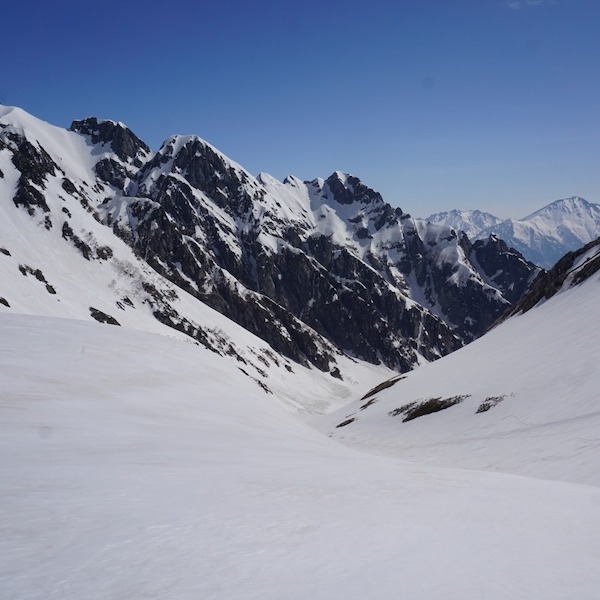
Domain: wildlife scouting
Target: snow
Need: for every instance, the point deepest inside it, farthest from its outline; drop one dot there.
(469, 221)
(550, 232)
(68, 149)
(141, 467)
(544, 367)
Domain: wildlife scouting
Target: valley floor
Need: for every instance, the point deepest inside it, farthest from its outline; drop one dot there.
(135, 466)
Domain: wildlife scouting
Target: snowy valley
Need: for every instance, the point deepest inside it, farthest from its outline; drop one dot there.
(221, 386)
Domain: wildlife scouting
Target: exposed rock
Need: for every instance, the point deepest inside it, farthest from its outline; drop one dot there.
(314, 268)
(505, 268)
(102, 317)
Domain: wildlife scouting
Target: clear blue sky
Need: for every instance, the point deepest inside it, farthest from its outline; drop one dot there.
(437, 104)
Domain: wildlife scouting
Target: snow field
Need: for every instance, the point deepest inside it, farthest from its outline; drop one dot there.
(136, 466)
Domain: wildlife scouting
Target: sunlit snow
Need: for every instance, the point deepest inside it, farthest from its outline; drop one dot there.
(140, 467)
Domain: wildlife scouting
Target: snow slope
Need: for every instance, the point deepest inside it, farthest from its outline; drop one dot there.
(140, 467)
(524, 398)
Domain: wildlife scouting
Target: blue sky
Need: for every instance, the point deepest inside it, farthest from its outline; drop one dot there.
(437, 104)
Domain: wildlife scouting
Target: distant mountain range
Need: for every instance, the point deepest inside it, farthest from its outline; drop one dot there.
(95, 225)
(469, 221)
(543, 237)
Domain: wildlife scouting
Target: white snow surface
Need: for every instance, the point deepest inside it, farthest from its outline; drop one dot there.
(539, 374)
(140, 467)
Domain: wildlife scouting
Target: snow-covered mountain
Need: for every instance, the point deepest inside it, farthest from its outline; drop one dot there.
(546, 235)
(319, 270)
(57, 259)
(524, 398)
(470, 221)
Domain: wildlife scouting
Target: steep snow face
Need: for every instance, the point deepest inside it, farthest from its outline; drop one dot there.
(472, 222)
(549, 233)
(522, 399)
(140, 467)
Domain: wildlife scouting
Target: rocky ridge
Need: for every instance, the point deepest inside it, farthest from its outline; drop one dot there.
(314, 268)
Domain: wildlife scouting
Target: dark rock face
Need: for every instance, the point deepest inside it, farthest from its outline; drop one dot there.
(34, 164)
(127, 152)
(506, 268)
(308, 281)
(124, 143)
(349, 189)
(211, 248)
(360, 305)
(102, 317)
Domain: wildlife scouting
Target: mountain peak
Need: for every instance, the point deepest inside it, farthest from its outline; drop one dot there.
(125, 144)
(547, 234)
(310, 268)
(573, 205)
(348, 189)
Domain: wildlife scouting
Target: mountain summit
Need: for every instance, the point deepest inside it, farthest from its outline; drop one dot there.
(543, 237)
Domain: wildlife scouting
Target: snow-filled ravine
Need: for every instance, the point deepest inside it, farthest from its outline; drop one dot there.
(140, 467)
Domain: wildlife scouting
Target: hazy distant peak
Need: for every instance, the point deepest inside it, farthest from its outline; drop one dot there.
(472, 222)
(550, 232)
(573, 205)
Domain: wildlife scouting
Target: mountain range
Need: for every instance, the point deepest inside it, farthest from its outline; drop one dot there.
(318, 269)
(543, 237)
